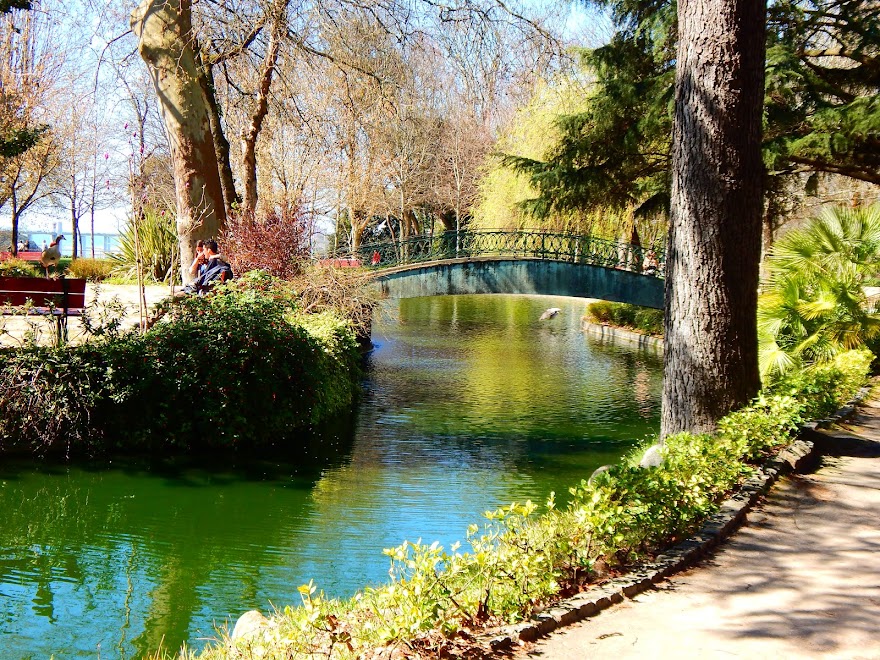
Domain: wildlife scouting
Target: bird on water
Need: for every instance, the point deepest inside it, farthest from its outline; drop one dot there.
(550, 313)
(52, 254)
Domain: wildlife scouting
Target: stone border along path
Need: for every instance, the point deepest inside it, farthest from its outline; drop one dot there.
(730, 516)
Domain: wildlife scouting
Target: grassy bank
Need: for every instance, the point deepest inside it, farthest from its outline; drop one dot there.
(623, 315)
(245, 365)
(525, 556)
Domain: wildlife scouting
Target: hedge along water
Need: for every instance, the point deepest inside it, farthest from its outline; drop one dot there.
(469, 403)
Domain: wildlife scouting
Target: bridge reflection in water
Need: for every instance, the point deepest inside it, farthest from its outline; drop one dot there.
(515, 262)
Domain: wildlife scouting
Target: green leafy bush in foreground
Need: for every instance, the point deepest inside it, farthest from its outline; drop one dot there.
(522, 558)
(240, 365)
(822, 386)
(643, 319)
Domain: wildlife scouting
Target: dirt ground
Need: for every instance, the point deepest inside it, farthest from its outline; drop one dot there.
(801, 580)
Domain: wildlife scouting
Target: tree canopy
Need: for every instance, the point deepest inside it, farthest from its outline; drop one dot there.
(15, 138)
(821, 105)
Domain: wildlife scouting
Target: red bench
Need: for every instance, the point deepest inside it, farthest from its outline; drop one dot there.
(27, 256)
(59, 298)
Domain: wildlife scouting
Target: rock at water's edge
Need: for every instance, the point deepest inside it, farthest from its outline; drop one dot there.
(249, 624)
(653, 457)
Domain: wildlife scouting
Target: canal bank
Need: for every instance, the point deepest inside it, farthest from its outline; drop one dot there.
(611, 335)
(799, 580)
(470, 403)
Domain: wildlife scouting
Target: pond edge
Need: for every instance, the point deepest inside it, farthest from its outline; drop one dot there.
(611, 334)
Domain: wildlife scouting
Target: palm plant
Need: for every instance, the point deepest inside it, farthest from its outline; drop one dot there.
(157, 240)
(814, 305)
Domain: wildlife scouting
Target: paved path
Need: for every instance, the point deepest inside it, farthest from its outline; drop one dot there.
(13, 328)
(800, 580)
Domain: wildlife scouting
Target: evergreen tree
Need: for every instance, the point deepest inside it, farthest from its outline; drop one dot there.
(821, 106)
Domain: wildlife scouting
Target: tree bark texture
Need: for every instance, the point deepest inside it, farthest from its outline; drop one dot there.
(221, 144)
(166, 44)
(711, 344)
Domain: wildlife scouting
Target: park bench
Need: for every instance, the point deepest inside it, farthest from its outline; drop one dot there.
(33, 255)
(59, 298)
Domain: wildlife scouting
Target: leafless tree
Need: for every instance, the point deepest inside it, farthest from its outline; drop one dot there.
(30, 60)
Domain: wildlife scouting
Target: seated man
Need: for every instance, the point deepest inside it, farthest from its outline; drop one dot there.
(215, 269)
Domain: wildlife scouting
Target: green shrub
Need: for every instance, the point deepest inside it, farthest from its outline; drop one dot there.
(15, 267)
(238, 366)
(48, 397)
(649, 320)
(94, 270)
(824, 387)
(600, 311)
(765, 424)
(234, 367)
(624, 315)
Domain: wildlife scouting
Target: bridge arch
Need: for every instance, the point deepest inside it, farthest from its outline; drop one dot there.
(519, 275)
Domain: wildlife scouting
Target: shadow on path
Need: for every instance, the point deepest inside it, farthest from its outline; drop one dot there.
(800, 580)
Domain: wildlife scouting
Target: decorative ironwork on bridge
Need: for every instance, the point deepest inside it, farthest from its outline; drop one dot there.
(551, 246)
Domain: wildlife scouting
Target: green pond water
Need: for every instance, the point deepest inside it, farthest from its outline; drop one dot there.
(470, 402)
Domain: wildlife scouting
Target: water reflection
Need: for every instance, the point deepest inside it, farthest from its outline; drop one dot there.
(471, 402)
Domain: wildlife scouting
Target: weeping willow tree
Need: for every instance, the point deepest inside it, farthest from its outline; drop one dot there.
(821, 107)
(815, 306)
(510, 199)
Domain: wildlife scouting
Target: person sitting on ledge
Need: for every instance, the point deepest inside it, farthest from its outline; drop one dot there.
(197, 268)
(216, 269)
(651, 265)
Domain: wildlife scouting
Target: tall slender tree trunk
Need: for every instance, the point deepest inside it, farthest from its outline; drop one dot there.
(711, 344)
(76, 239)
(14, 214)
(167, 45)
(221, 144)
(249, 139)
(92, 220)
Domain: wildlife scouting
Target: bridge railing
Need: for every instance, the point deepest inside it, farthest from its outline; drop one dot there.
(467, 244)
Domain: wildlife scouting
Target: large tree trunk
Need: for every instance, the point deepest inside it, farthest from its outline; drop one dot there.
(166, 44)
(711, 344)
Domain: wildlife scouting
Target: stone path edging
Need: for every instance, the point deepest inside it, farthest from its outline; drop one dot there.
(731, 514)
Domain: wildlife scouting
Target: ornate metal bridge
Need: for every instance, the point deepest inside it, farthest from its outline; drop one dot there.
(513, 262)
(550, 246)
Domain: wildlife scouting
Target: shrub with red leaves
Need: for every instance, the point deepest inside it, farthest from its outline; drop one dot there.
(274, 241)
